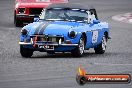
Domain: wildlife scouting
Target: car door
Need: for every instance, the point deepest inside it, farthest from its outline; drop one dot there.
(93, 30)
(95, 33)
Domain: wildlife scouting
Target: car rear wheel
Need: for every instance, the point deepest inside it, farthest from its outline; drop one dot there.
(26, 52)
(100, 49)
(80, 48)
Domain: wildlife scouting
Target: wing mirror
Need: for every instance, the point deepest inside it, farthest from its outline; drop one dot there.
(36, 19)
(96, 21)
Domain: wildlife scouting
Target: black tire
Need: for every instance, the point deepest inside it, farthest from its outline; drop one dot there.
(26, 52)
(79, 50)
(17, 22)
(50, 52)
(100, 49)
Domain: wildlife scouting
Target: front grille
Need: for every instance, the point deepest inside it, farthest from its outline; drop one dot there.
(21, 10)
(35, 11)
(53, 39)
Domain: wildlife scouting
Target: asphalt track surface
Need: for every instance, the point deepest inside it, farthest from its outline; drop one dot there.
(59, 71)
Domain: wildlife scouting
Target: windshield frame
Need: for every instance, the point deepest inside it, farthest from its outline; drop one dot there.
(43, 14)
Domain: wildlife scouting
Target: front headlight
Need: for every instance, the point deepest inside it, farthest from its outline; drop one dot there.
(72, 34)
(24, 32)
(21, 10)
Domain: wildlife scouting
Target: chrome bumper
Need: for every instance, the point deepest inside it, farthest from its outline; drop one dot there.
(26, 16)
(23, 43)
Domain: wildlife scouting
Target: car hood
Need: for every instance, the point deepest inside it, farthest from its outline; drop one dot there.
(51, 28)
(32, 5)
(38, 4)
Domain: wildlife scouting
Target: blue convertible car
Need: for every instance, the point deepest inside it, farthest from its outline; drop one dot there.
(64, 28)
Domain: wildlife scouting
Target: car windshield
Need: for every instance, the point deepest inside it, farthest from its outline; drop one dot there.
(64, 15)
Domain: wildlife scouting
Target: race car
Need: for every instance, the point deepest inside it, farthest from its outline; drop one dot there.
(65, 28)
(26, 10)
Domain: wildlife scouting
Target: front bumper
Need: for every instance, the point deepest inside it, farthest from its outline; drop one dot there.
(44, 47)
(23, 43)
(26, 17)
(55, 43)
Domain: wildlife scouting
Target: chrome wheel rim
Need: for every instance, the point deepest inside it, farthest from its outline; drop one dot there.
(104, 42)
(81, 46)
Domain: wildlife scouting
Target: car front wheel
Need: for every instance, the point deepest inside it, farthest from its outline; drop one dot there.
(80, 48)
(100, 49)
(26, 52)
(50, 52)
(17, 22)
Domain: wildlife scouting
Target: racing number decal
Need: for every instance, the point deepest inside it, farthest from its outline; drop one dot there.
(94, 36)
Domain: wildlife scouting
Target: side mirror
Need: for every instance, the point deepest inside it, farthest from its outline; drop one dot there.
(96, 21)
(36, 19)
